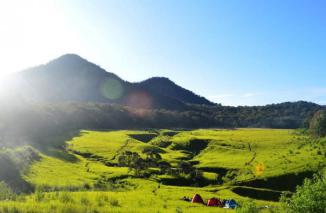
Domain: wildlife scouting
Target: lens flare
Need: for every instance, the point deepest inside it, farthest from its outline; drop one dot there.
(139, 99)
(140, 113)
(112, 89)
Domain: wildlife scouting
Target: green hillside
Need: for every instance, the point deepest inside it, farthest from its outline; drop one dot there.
(242, 164)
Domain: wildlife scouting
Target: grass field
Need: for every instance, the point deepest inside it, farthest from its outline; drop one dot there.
(241, 164)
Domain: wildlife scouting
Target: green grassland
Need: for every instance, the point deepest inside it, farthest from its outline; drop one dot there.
(241, 164)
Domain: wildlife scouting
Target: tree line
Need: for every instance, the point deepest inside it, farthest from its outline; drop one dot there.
(33, 123)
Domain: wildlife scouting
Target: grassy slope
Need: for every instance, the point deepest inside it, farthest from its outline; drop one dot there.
(278, 151)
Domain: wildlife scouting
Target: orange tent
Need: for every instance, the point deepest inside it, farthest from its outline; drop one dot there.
(197, 199)
(214, 202)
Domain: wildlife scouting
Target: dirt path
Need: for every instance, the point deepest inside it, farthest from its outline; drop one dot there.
(120, 149)
(252, 159)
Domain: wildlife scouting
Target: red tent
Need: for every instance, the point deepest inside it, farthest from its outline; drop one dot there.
(197, 199)
(214, 202)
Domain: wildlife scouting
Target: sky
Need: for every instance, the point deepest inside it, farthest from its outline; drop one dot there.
(232, 52)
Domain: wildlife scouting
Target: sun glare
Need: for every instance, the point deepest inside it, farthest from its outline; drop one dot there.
(32, 32)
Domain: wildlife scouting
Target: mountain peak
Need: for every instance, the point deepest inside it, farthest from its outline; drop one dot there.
(158, 79)
(71, 55)
(74, 64)
(70, 58)
(164, 86)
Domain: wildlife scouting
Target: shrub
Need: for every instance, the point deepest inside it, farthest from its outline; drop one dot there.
(84, 201)
(71, 209)
(317, 124)
(87, 186)
(114, 202)
(229, 176)
(5, 192)
(102, 199)
(65, 197)
(39, 196)
(248, 207)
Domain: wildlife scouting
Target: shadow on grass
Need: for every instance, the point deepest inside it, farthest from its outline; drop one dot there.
(143, 137)
(287, 182)
(217, 170)
(12, 164)
(180, 181)
(55, 145)
(195, 146)
(258, 194)
(170, 133)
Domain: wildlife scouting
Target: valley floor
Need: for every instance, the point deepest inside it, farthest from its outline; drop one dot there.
(240, 164)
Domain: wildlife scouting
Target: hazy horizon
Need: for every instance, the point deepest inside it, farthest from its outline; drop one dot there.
(233, 53)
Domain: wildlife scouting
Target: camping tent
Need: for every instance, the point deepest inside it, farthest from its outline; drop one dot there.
(231, 204)
(197, 199)
(214, 202)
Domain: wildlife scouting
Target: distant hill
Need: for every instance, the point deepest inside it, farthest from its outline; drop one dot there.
(166, 87)
(283, 115)
(71, 78)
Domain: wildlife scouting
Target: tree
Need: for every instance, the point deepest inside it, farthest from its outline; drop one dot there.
(129, 159)
(309, 198)
(134, 162)
(185, 167)
(165, 167)
(318, 123)
(152, 156)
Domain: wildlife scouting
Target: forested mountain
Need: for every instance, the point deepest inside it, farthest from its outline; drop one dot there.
(74, 79)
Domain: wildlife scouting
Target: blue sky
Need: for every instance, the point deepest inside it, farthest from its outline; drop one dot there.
(232, 52)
